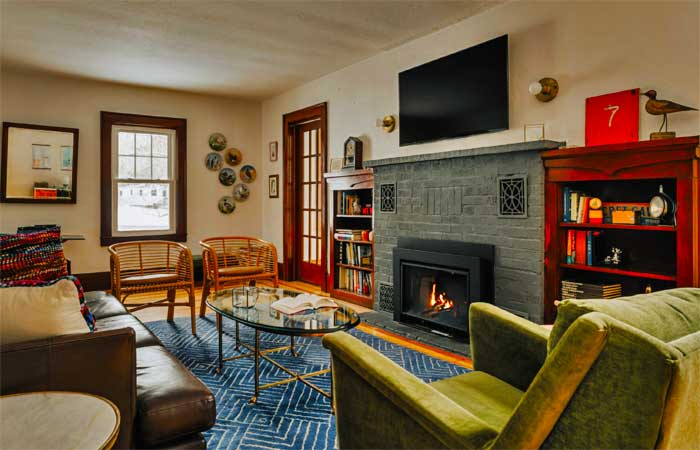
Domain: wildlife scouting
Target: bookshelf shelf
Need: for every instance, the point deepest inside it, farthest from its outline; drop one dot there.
(654, 257)
(348, 280)
(621, 272)
(616, 226)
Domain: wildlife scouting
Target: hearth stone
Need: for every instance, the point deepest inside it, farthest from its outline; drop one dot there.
(453, 196)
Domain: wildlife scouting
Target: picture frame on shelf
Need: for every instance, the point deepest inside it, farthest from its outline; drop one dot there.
(533, 132)
(336, 164)
(273, 183)
(273, 151)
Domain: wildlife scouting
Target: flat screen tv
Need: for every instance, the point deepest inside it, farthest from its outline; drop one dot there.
(457, 95)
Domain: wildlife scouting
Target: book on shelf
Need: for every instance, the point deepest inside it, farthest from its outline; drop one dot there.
(355, 254)
(580, 290)
(351, 235)
(576, 206)
(356, 281)
(302, 302)
(348, 204)
(582, 246)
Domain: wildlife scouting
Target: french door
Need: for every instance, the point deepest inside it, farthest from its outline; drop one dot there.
(304, 195)
(310, 201)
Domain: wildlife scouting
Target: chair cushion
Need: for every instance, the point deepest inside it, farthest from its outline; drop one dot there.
(666, 315)
(483, 395)
(144, 337)
(104, 305)
(238, 271)
(152, 278)
(170, 401)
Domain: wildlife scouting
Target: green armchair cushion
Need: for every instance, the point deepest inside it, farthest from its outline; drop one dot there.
(483, 395)
(666, 315)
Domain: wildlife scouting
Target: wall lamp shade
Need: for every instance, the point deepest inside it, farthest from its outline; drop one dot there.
(387, 123)
(544, 90)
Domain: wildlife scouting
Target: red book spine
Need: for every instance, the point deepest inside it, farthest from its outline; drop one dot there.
(580, 247)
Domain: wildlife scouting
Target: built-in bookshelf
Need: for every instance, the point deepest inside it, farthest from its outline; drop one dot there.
(351, 275)
(654, 253)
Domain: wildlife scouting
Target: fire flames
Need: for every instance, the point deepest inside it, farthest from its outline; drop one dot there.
(439, 302)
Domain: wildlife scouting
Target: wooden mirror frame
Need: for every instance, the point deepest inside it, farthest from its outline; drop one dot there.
(3, 168)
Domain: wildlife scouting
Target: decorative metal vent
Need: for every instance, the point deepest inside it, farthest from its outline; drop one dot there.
(386, 297)
(387, 197)
(512, 196)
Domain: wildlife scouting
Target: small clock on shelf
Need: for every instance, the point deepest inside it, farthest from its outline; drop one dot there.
(663, 208)
(352, 153)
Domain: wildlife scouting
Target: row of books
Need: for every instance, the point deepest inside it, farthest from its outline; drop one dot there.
(582, 246)
(579, 290)
(348, 204)
(355, 254)
(357, 281)
(577, 208)
(351, 235)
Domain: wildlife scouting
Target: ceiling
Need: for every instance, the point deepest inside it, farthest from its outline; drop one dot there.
(250, 49)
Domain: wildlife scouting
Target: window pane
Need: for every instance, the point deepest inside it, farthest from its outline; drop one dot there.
(160, 145)
(126, 167)
(313, 196)
(306, 222)
(313, 231)
(306, 196)
(312, 138)
(160, 168)
(305, 245)
(139, 210)
(143, 144)
(312, 170)
(126, 143)
(306, 143)
(143, 166)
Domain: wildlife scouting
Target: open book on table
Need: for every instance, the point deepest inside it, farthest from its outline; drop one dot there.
(302, 302)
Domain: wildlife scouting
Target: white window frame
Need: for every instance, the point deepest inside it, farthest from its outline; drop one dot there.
(171, 181)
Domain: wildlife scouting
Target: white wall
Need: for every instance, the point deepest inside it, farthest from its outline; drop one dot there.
(52, 100)
(591, 48)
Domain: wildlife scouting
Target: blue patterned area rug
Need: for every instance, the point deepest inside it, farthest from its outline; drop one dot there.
(290, 416)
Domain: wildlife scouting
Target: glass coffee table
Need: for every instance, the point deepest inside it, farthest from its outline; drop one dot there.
(262, 317)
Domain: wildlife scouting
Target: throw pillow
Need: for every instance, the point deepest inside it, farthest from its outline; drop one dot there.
(38, 312)
(32, 256)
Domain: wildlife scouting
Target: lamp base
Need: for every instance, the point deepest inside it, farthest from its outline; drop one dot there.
(662, 135)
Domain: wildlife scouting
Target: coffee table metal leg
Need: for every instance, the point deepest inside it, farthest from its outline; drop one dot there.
(219, 331)
(294, 353)
(237, 348)
(257, 368)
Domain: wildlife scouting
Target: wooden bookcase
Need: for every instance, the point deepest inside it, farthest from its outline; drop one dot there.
(360, 183)
(657, 256)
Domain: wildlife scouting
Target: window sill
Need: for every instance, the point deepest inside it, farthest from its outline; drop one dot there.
(109, 240)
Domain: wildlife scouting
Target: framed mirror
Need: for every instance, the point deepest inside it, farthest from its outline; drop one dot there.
(39, 164)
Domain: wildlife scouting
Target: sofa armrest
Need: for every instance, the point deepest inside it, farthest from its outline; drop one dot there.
(101, 363)
(506, 346)
(391, 407)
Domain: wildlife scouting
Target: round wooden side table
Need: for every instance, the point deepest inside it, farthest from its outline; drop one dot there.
(57, 420)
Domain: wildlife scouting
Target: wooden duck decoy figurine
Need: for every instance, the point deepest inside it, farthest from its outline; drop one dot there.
(657, 107)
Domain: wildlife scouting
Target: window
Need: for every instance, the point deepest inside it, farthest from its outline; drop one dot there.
(144, 157)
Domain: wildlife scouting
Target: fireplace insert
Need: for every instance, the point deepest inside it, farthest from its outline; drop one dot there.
(435, 281)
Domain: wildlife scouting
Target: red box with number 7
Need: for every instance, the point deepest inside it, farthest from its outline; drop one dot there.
(613, 118)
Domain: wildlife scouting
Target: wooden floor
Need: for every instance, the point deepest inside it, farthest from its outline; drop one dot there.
(153, 314)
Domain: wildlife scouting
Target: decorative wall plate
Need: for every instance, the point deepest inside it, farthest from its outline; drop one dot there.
(227, 176)
(213, 161)
(227, 205)
(233, 156)
(217, 141)
(248, 173)
(241, 192)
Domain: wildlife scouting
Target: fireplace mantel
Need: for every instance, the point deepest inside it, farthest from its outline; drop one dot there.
(469, 152)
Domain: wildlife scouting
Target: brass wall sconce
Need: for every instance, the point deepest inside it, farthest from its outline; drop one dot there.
(387, 123)
(544, 90)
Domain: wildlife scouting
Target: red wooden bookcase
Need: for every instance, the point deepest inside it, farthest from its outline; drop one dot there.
(626, 170)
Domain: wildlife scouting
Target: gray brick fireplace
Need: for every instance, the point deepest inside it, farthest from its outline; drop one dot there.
(490, 195)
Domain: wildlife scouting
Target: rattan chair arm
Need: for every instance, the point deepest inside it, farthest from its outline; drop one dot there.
(212, 261)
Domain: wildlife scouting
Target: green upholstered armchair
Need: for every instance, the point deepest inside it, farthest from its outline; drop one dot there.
(621, 373)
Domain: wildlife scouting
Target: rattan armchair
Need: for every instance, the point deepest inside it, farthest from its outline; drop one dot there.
(153, 266)
(236, 260)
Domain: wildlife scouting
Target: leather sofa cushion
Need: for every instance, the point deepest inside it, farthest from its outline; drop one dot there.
(103, 305)
(171, 402)
(152, 278)
(144, 337)
(238, 271)
(483, 395)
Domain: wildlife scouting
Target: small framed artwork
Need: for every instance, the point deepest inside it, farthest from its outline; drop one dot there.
(613, 118)
(273, 151)
(336, 164)
(67, 157)
(41, 156)
(273, 186)
(534, 132)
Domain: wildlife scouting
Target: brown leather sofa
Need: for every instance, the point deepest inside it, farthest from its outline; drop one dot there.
(162, 404)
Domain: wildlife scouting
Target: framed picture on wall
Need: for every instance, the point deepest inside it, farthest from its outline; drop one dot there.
(273, 151)
(273, 186)
(66, 157)
(41, 156)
